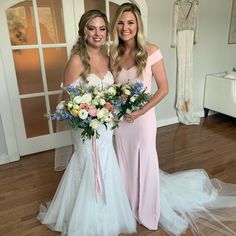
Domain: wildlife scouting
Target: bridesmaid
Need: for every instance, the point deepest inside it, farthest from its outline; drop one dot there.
(136, 60)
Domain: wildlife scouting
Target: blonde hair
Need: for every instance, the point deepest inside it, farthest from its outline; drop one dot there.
(117, 47)
(80, 47)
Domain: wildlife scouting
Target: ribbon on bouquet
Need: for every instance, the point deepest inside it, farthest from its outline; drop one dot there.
(100, 194)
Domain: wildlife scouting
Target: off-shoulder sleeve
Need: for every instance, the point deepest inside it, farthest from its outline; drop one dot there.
(155, 57)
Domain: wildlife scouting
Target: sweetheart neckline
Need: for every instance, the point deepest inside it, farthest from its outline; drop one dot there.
(128, 68)
(104, 76)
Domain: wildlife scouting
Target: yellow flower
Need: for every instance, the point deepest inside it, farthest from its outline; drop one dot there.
(74, 112)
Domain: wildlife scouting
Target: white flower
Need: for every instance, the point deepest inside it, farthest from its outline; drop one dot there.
(70, 104)
(112, 91)
(87, 98)
(95, 124)
(95, 91)
(102, 113)
(109, 117)
(83, 114)
(102, 101)
(128, 111)
(116, 111)
(61, 105)
(77, 99)
(99, 94)
(132, 99)
(127, 92)
(95, 102)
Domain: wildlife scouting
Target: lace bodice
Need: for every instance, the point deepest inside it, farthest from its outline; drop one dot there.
(184, 20)
(94, 80)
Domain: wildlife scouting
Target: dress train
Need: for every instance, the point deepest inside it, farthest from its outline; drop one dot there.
(190, 199)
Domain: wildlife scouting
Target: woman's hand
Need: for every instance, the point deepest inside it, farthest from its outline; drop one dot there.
(133, 115)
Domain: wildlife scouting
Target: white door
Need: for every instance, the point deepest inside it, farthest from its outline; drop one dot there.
(37, 35)
(36, 39)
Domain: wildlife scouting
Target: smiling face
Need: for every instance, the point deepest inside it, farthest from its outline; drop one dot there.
(96, 32)
(127, 26)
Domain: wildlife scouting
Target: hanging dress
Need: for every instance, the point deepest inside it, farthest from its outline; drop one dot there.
(184, 29)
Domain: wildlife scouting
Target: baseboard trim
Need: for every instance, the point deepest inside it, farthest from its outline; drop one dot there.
(4, 159)
(174, 120)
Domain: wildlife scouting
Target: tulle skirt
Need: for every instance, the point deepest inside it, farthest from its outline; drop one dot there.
(75, 209)
(190, 199)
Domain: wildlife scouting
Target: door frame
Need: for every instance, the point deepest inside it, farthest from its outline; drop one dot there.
(5, 99)
(7, 120)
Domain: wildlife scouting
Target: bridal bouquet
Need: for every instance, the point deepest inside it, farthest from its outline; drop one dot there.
(130, 97)
(87, 109)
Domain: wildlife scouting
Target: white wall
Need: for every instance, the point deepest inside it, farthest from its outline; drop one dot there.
(212, 53)
(3, 146)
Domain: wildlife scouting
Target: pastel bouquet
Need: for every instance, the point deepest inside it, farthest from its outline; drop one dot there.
(130, 97)
(90, 108)
(87, 109)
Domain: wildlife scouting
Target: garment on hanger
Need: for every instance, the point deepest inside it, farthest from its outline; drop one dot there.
(183, 36)
(187, 2)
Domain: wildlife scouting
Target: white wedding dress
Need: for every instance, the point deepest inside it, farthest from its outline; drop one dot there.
(76, 209)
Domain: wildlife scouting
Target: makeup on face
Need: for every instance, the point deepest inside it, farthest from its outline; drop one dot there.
(96, 31)
(127, 26)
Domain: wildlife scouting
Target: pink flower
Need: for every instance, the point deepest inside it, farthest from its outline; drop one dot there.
(84, 106)
(108, 106)
(92, 111)
(123, 97)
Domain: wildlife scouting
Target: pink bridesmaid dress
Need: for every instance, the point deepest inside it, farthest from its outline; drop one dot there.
(137, 156)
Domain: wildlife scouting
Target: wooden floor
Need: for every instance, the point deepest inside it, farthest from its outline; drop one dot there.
(31, 181)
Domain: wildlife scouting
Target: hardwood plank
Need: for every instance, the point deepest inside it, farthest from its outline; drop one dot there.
(25, 184)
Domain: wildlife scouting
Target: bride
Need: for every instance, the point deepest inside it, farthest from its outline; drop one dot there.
(75, 209)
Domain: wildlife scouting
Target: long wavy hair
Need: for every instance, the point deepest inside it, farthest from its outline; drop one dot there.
(80, 47)
(117, 48)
